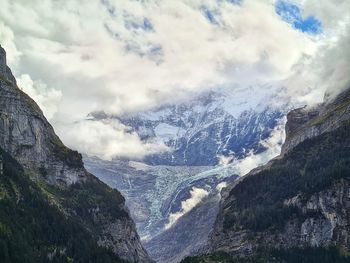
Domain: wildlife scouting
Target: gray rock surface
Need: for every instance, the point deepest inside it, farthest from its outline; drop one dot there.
(29, 138)
(163, 189)
(188, 236)
(330, 227)
(306, 123)
(325, 218)
(199, 133)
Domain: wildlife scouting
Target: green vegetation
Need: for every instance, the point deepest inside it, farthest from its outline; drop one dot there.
(72, 158)
(83, 197)
(341, 106)
(322, 119)
(311, 167)
(293, 255)
(33, 229)
(3, 78)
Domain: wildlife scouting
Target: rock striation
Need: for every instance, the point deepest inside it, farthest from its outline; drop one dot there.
(30, 139)
(27, 136)
(299, 199)
(305, 123)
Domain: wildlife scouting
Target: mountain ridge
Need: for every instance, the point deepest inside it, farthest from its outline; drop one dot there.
(61, 183)
(201, 131)
(167, 179)
(300, 198)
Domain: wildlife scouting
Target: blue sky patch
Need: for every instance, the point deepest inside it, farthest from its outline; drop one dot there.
(292, 14)
(145, 24)
(209, 15)
(236, 2)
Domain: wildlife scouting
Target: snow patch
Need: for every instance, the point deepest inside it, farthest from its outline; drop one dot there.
(273, 145)
(225, 160)
(139, 166)
(168, 132)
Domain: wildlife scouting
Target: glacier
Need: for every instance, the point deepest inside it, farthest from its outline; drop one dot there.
(213, 139)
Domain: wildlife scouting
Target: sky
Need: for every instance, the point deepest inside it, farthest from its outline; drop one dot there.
(126, 56)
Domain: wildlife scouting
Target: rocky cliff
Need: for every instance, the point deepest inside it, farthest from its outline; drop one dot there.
(58, 173)
(30, 139)
(213, 127)
(301, 198)
(164, 189)
(305, 123)
(188, 235)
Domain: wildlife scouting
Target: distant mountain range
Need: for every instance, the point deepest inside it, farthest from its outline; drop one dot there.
(211, 125)
(205, 136)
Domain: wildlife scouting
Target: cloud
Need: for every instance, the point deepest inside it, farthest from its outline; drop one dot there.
(327, 70)
(86, 46)
(107, 139)
(46, 98)
(225, 160)
(239, 166)
(292, 13)
(129, 56)
(197, 195)
(273, 145)
(221, 186)
(7, 40)
(334, 14)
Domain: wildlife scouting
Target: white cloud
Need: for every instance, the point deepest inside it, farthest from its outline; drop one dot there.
(273, 145)
(197, 195)
(241, 167)
(225, 160)
(107, 139)
(328, 70)
(221, 186)
(127, 56)
(46, 98)
(334, 14)
(7, 40)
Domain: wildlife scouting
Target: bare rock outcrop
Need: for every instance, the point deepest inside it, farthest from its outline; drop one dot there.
(30, 139)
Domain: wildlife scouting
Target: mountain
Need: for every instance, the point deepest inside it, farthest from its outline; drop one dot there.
(206, 136)
(209, 126)
(188, 234)
(163, 189)
(51, 208)
(298, 205)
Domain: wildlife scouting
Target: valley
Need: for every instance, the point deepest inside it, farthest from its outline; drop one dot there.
(210, 146)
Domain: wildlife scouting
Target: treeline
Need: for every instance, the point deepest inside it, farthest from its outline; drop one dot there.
(292, 255)
(32, 229)
(311, 167)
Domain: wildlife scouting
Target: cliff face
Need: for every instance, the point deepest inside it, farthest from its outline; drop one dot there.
(30, 139)
(164, 189)
(299, 199)
(305, 123)
(27, 136)
(188, 235)
(323, 221)
(5, 71)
